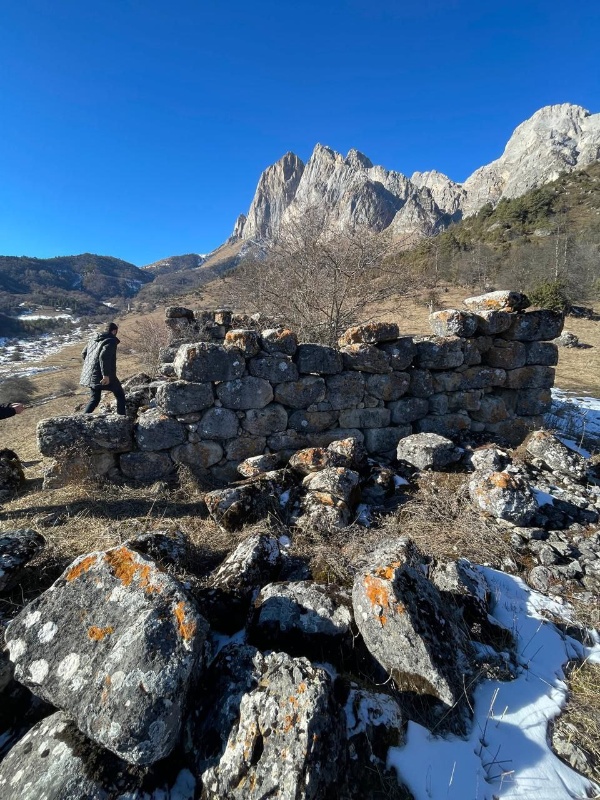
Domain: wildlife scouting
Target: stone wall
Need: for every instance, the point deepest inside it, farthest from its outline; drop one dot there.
(487, 370)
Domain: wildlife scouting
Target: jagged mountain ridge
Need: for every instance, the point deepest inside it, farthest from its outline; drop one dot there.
(353, 192)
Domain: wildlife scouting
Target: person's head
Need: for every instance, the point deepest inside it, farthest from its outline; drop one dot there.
(111, 328)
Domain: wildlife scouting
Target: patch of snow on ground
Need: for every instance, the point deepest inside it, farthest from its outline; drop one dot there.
(507, 754)
(543, 498)
(15, 354)
(575, 416)
(400, 481)
(574, 446)
(44, 316)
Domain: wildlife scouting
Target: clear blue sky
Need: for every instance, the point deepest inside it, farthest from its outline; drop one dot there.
(139, 128)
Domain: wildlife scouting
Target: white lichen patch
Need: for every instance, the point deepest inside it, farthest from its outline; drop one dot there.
(47, 632)
(31, 618)
(116, 679)
(68, 666)
(38, 670)
(16, 649)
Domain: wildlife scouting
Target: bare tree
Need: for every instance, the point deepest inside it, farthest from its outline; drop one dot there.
(318, 279)
(148, 336)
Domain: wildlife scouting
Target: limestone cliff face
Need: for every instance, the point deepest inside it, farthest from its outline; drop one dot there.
(350, 192)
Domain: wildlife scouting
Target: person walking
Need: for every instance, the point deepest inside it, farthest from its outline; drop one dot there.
(99, 370)
(10, 410)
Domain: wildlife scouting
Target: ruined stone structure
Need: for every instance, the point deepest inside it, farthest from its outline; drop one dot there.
(487, 370)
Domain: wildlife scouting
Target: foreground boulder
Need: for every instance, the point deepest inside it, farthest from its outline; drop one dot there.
(235, 584)
(235, 506)
(55, 760)
(279, 734)
(87, 433)
(504, 495)
(12, 477)
(115, 643)
(17, 548)
(407, 627)
(555, 455)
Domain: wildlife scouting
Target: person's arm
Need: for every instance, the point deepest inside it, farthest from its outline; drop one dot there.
(84, 353)
(108, 360)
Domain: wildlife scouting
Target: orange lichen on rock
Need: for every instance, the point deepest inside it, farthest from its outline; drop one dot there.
(84, 565)
(388, 572)
(97, 634)
(126, 568)
(289, 721)
(186, 629)
(502, 480)
(378, 595)
(107, 681)
(302, 688)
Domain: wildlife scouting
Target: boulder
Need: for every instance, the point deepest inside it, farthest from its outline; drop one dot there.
(55, 760)
(280, 732)
(323, 512)
(539, 324)
(491, 322)
(84, 433)
(345, 390)
(439, 352)
(204, 362)
(182, 397)
(504, 495)
(318, 359)
(501, 300)
(258, 465)
(17, 548)
(530, 378)
(542, 353)
(555, 455)
(165, 547)
(408, 628)
(233, 586)
(302, 393)
(452, 322)
(115, 643)
(303, 618)
(197, 455)
(365, 358)
(339, 482)
(12, 477)
(265, 421)
(245, 393)
(370, 333)
(428, 451)
(218, 423)
(146, 467)
(246, 341)
(506, 354)
(275, 368)
(408, 409)
(156, 431)
(235, 506)
(400, 352)
(279, 340)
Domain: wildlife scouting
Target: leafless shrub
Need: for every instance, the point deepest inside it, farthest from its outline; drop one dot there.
(317, 278)
(148, 337)
(19, 389)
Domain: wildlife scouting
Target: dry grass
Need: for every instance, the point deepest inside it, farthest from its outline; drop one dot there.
(579, 723)
(442, 522)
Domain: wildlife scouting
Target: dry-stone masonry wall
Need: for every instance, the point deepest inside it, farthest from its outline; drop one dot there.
(486, 370)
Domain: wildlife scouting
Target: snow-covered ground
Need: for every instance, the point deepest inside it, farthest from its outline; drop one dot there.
(576, 416)
(507, 754)
(18, 356)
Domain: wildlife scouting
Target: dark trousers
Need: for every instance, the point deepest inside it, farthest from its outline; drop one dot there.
(96, 391)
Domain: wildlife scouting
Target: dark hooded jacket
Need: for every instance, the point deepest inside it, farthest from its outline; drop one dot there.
(6, 412)
(99, 359)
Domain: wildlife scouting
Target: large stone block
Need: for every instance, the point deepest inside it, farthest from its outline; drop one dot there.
(365, 418)
(439, 353)
(302, 393)
(146, 467)
(345, 390)
(182, 397)
(84, 433)
(408, 409)
(533, 402)
(17, 548)
(247, 341)
(543, 353)
(204, 362)
(275, 368)
(542, 323)
(421, 383)
(199, 455)
(401, 352)
(504, 495)
(388, 387)
(327, 438)
(445, 382)
(319, 359)
(383, 440)
(370, 333)
(506, 355)
(445, 424)
(428, 451)
(245, 446)
(365, 358)
(279, 340)
(482, 378)
(312, 421)
(156, 431)
(501, 300)
(245, 393)
(115, 643)
(265, 421)
(491, 322)
(530, 378)
(218, 423)
(492, 409)
(452, 322)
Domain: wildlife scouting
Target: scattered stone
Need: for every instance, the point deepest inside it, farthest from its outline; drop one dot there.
(339, 482)
(235, 506)
(504, 495)
(555, 455)
(258, 465)
(17, 548)
(501, 300)
(323, 512)
(315, 459)
(428, 451)
(567, 339)
(165, 547)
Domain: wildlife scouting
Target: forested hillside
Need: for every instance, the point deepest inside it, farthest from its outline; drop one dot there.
(550, 234)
